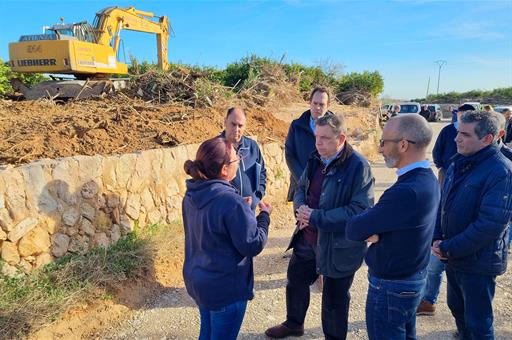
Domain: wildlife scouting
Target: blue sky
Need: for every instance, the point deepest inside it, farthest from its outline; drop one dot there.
(400, 39)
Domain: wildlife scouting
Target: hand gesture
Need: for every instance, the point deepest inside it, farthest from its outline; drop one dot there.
(373, 239)
(266, 207)
(248, 200)
(303, 214)
(437, 251)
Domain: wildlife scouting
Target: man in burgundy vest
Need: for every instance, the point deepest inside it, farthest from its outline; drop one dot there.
(336, 185)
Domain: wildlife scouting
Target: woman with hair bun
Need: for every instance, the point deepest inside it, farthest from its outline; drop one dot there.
(222, 235)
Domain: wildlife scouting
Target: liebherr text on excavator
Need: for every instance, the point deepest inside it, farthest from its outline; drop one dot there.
(88, 52)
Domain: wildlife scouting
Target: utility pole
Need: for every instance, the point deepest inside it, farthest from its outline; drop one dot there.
(428, 88)
(440, 63)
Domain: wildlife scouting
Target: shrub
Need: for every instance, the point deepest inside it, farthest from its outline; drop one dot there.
(366, 82)
(493, 97)
(29, 301)
(29, 79)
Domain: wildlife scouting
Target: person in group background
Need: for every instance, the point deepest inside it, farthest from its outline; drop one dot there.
(425, 112)
(507, 138)
(444, 149)
(251, 176)
(507, 152)
(400, 228)
(471, 229)
(300, 141)
(222, 235)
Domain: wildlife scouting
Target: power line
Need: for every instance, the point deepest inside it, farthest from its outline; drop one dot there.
(440, 63)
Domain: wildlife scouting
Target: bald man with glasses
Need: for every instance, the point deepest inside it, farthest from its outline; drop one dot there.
(399, 228)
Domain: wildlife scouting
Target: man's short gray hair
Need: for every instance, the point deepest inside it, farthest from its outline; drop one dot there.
(336, 122)
(415, 128)
(487, 123)
(501, 123)
(501, 120)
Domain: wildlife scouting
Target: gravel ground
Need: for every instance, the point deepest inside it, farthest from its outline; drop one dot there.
(175, 316)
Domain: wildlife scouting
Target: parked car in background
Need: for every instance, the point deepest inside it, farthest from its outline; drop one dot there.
(436, 111)
(502, 108)
(386, 107)
(476, 105)
(409, 107)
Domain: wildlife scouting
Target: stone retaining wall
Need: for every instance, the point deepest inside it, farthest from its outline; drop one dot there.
(50, 208)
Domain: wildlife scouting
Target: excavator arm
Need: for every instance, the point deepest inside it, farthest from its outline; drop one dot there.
(111, 21)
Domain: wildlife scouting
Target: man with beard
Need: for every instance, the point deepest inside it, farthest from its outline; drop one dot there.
(400, 227)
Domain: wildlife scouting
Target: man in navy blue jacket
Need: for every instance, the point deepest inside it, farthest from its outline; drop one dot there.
(444, 149)
(471, 231)
(251, 177)
(400, 227)
(300, 141)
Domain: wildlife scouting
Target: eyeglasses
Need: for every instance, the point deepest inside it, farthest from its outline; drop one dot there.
(237, 159)
(383, 141)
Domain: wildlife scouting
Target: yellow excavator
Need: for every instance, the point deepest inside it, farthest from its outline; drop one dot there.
(88, 52)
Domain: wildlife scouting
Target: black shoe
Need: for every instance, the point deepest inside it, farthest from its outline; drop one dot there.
(282, 331)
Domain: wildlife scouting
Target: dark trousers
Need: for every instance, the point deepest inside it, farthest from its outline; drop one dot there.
(469, 298)
(335, 297)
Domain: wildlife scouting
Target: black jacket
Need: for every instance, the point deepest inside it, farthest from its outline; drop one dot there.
(299, 144)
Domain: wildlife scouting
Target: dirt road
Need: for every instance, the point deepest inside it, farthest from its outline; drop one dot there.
(174, 315)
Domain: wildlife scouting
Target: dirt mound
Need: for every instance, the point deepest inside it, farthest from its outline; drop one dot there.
(45, 129)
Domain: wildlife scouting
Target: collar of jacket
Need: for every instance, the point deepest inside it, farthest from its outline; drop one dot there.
(463, 164)
(337, 162)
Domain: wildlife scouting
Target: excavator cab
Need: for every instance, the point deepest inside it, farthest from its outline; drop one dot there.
(82, 31)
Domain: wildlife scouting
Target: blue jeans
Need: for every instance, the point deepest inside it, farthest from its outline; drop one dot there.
(222, 324)
(435, 271)
(391, 306)
(470, 301)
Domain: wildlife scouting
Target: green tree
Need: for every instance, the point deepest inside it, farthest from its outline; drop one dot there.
(367, 82)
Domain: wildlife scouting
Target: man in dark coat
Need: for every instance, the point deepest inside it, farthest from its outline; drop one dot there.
(336, 185)
(300, 142)
(471, 233)
(507, 138)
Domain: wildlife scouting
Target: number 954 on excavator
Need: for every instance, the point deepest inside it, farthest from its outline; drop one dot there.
(87, 52)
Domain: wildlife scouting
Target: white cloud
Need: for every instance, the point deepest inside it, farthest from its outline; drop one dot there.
(469, 30)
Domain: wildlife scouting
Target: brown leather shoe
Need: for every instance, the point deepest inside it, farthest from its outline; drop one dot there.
(282, 331)
(425, 308)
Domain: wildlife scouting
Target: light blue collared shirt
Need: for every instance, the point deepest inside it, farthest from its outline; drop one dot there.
(312, 124)
(456, 124)
(421, 164)
(328, 161)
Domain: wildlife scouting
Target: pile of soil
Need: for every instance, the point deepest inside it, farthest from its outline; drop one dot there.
(34, 130)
